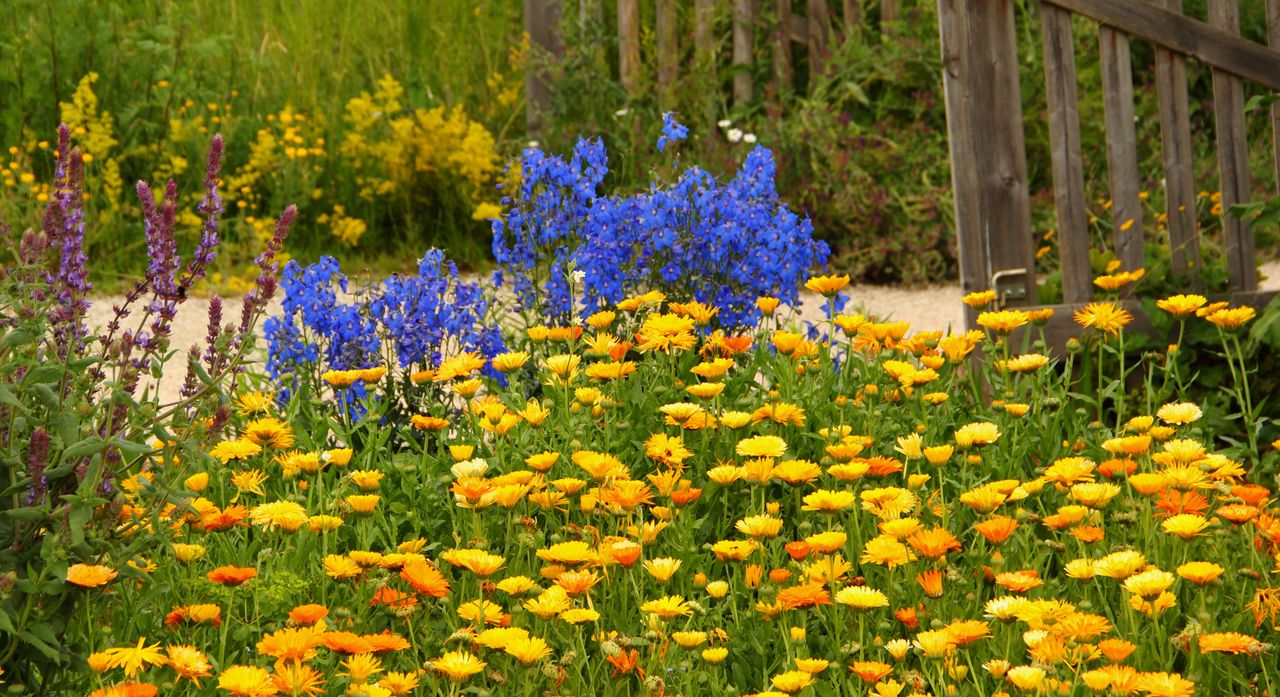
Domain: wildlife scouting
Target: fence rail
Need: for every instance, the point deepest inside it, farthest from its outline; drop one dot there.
(988, 155)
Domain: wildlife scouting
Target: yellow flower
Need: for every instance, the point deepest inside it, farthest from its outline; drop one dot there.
(979, 299)
(1026, 678)
(246, 681)
(1181, 305)
(759, 526)
(1106, 317)
(133, 659)
(1179, 414)
(510, 361)
(528, 649)
(1185, 525)
(828, 501)
(1200, 572)
(1003, 321)
(827, 285)
(668, 333)
(90, 575)
(761, 446)
(715, 654)
(792, 681)
(861, 597)
(667, 607)
(1231, 318)
(458, 665)
(662, 568)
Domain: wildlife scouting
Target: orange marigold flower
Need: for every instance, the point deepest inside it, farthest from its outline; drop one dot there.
(804, 595)
(232, 575)
(90, 575)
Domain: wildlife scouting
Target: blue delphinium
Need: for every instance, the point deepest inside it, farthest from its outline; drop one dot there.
(722, 243)
(672, 131)
(413, 319)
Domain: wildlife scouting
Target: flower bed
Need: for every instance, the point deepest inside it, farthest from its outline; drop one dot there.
(659, 495)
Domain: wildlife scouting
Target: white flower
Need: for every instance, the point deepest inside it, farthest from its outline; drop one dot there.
(724, 123)
(734, 135)
(749, 138)
(533, 143)
(622, 112)
(579, 276)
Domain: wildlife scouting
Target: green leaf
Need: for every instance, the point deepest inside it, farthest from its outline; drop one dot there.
(17, 337)
(44, 392)
(89, 446)
(7, 396)
(131, 447)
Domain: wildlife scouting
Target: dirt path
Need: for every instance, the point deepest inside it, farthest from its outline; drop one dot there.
(933, 308)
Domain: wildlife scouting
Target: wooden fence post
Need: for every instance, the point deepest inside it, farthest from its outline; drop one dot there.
(818, 15)
(540, 20)
(743, 41)
(1273, 40)
(987, 147)
(704, 20)
(1122, 149)
(1235, 180)
(889, 12)
(629, 45)
(853, 16)
(1064, 139)
(781, 40)
(1179, 159)
(668, 52)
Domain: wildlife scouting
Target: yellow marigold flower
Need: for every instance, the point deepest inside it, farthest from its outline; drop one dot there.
(187, 552)
(1003, 321)
(528, 649)
(338, 566)
(458, 665)
(579, 615)
(323, 523)
(1120, 565)
(1179, 414)
(1200, 572)
(886, 551)
(938, 454)
(649, 299)
(1026, 678)
(980, 433)
(428, 423)
(564, 366)
(90, 575)
(979, 299)
(828, 501)
(1181, 305)
(668, 333)
(735, 550)
(239, 449)
(797, 471)
(610, 370)
(1025, 363)
(706, 390)
(792, 681)
(197, 482)
(510, 361)
(662, 568)
(759, 526)
(1106, 317)
(934, 643)
(362, 503)
(1231, 318)
(516, 585)
(715, 654)
(713, 369)
(285, 515)
(246, 681)
(827, 285)
(340, 378)
(761, 446)
(861, 598)
(1185, 525)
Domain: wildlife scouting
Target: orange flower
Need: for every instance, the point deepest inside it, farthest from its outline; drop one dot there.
(933, 543)
(347, 642)
(1116, 650)
(229, 517)
(871, 671)
(308, 614)
(798, 550)
(1252, 494)
(90, 575)
(907, 616)
(1174, 502)
(425, 578)
(392, 598)
(931, 582)
(997, 529)
(232, 575)
(1019, 581)
(1238, 513)
(1227, 642)
(1087, 533)
(804, 595)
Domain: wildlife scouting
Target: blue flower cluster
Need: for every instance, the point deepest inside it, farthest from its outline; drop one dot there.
(418, 317)
(566, 248)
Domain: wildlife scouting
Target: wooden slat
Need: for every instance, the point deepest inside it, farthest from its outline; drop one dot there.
(1165, 26)
(629, 45)
(1235, 180)
(743, 39)
(1179, 161)
(852, 16)
(1273, 38)
(782, 45)
(667, 51)
(987, 145)
(818, 15)
(1064, 139)
(1062, 327)
(889, 13)
(799, 29)
(704, 20)
(540, 20)
(1122, 148)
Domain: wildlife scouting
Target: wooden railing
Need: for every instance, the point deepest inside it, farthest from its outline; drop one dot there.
(988, 155)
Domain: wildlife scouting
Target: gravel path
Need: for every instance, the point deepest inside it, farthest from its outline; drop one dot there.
(933, 308)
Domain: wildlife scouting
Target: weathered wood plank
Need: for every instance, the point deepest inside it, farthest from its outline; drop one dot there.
(1179, 161)
(781, 45)
(818, 15)
(1273, 39)
(540, 20)
(1165, 26)
(704, 40)
(852, 16)
(890, 10)
(799, 29)
(1064, 139)
(1122, 148)
(743, 42)
(668, 51)
(629, 45)
(987, 144)
(1235, 180)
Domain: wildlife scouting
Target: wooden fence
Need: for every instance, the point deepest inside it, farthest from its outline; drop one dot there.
(988, 154)
(748, 19)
